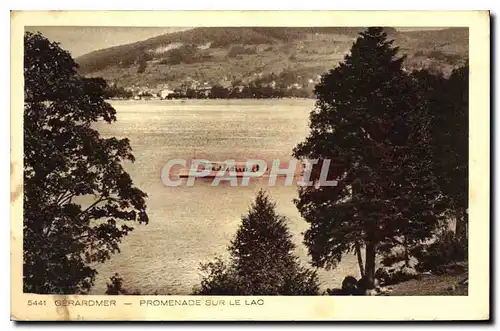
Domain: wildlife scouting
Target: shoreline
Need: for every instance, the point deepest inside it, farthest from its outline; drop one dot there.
(208, 99)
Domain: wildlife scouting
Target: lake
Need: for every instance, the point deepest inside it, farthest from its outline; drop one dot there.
(190, 225)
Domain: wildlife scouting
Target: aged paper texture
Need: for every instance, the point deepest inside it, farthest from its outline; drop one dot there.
(233, 91)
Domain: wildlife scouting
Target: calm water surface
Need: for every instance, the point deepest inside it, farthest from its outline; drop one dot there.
(189, 225)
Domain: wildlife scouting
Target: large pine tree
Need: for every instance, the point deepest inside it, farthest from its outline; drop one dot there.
(262, 259)
(369, 122)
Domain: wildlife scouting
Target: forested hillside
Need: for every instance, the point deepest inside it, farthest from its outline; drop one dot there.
(282, 57)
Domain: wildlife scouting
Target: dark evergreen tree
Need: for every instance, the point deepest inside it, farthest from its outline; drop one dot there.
(142, 66)
(78, 200)
(142, 61)
(368, 122)
(262, 260)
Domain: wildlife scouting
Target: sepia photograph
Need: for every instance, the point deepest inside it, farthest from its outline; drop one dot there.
(216, 166)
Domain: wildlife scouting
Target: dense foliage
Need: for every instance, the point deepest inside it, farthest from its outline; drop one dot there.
(448, 101)
(116, 91)
(441, 254)
(186, 54)
(78, 200)
(372, 119)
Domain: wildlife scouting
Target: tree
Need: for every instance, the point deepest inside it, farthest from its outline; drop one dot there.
(218, 92)
(115, 287)
(188, 53)
(116, 91)
(262, 260)
(78, 200)
(456, 136)
(143, 64)
(368, 122)
(448, 101)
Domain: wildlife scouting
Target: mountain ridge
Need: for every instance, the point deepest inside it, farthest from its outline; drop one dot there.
(223, 55)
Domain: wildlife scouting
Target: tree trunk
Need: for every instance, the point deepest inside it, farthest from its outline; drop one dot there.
(407, 258)
(407, 255)
(360, 259)
(370, 264)
(461, 228)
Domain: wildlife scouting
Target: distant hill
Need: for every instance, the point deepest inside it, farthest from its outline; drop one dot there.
(220, 55)
(218, 37)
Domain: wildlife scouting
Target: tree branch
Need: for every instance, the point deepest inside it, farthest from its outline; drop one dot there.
(397, 241)
(101, 199)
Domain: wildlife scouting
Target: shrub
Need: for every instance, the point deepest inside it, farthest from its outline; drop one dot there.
(240, 50)
(390, 276)
(116, 287)
(446, 250)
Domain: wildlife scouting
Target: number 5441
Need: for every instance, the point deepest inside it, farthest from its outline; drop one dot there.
(37, 302)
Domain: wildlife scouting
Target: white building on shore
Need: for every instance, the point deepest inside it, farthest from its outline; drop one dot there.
(165, 93)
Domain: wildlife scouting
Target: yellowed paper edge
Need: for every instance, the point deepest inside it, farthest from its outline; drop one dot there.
(475, 306)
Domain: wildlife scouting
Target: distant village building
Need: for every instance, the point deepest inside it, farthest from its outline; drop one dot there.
(206, 89)
(294, 86)
(205, 46)
(165, 93)
(225, 83)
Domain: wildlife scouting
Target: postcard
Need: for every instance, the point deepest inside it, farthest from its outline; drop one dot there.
(250, 165)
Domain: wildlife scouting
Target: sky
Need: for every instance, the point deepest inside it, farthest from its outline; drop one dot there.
(81, 40)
